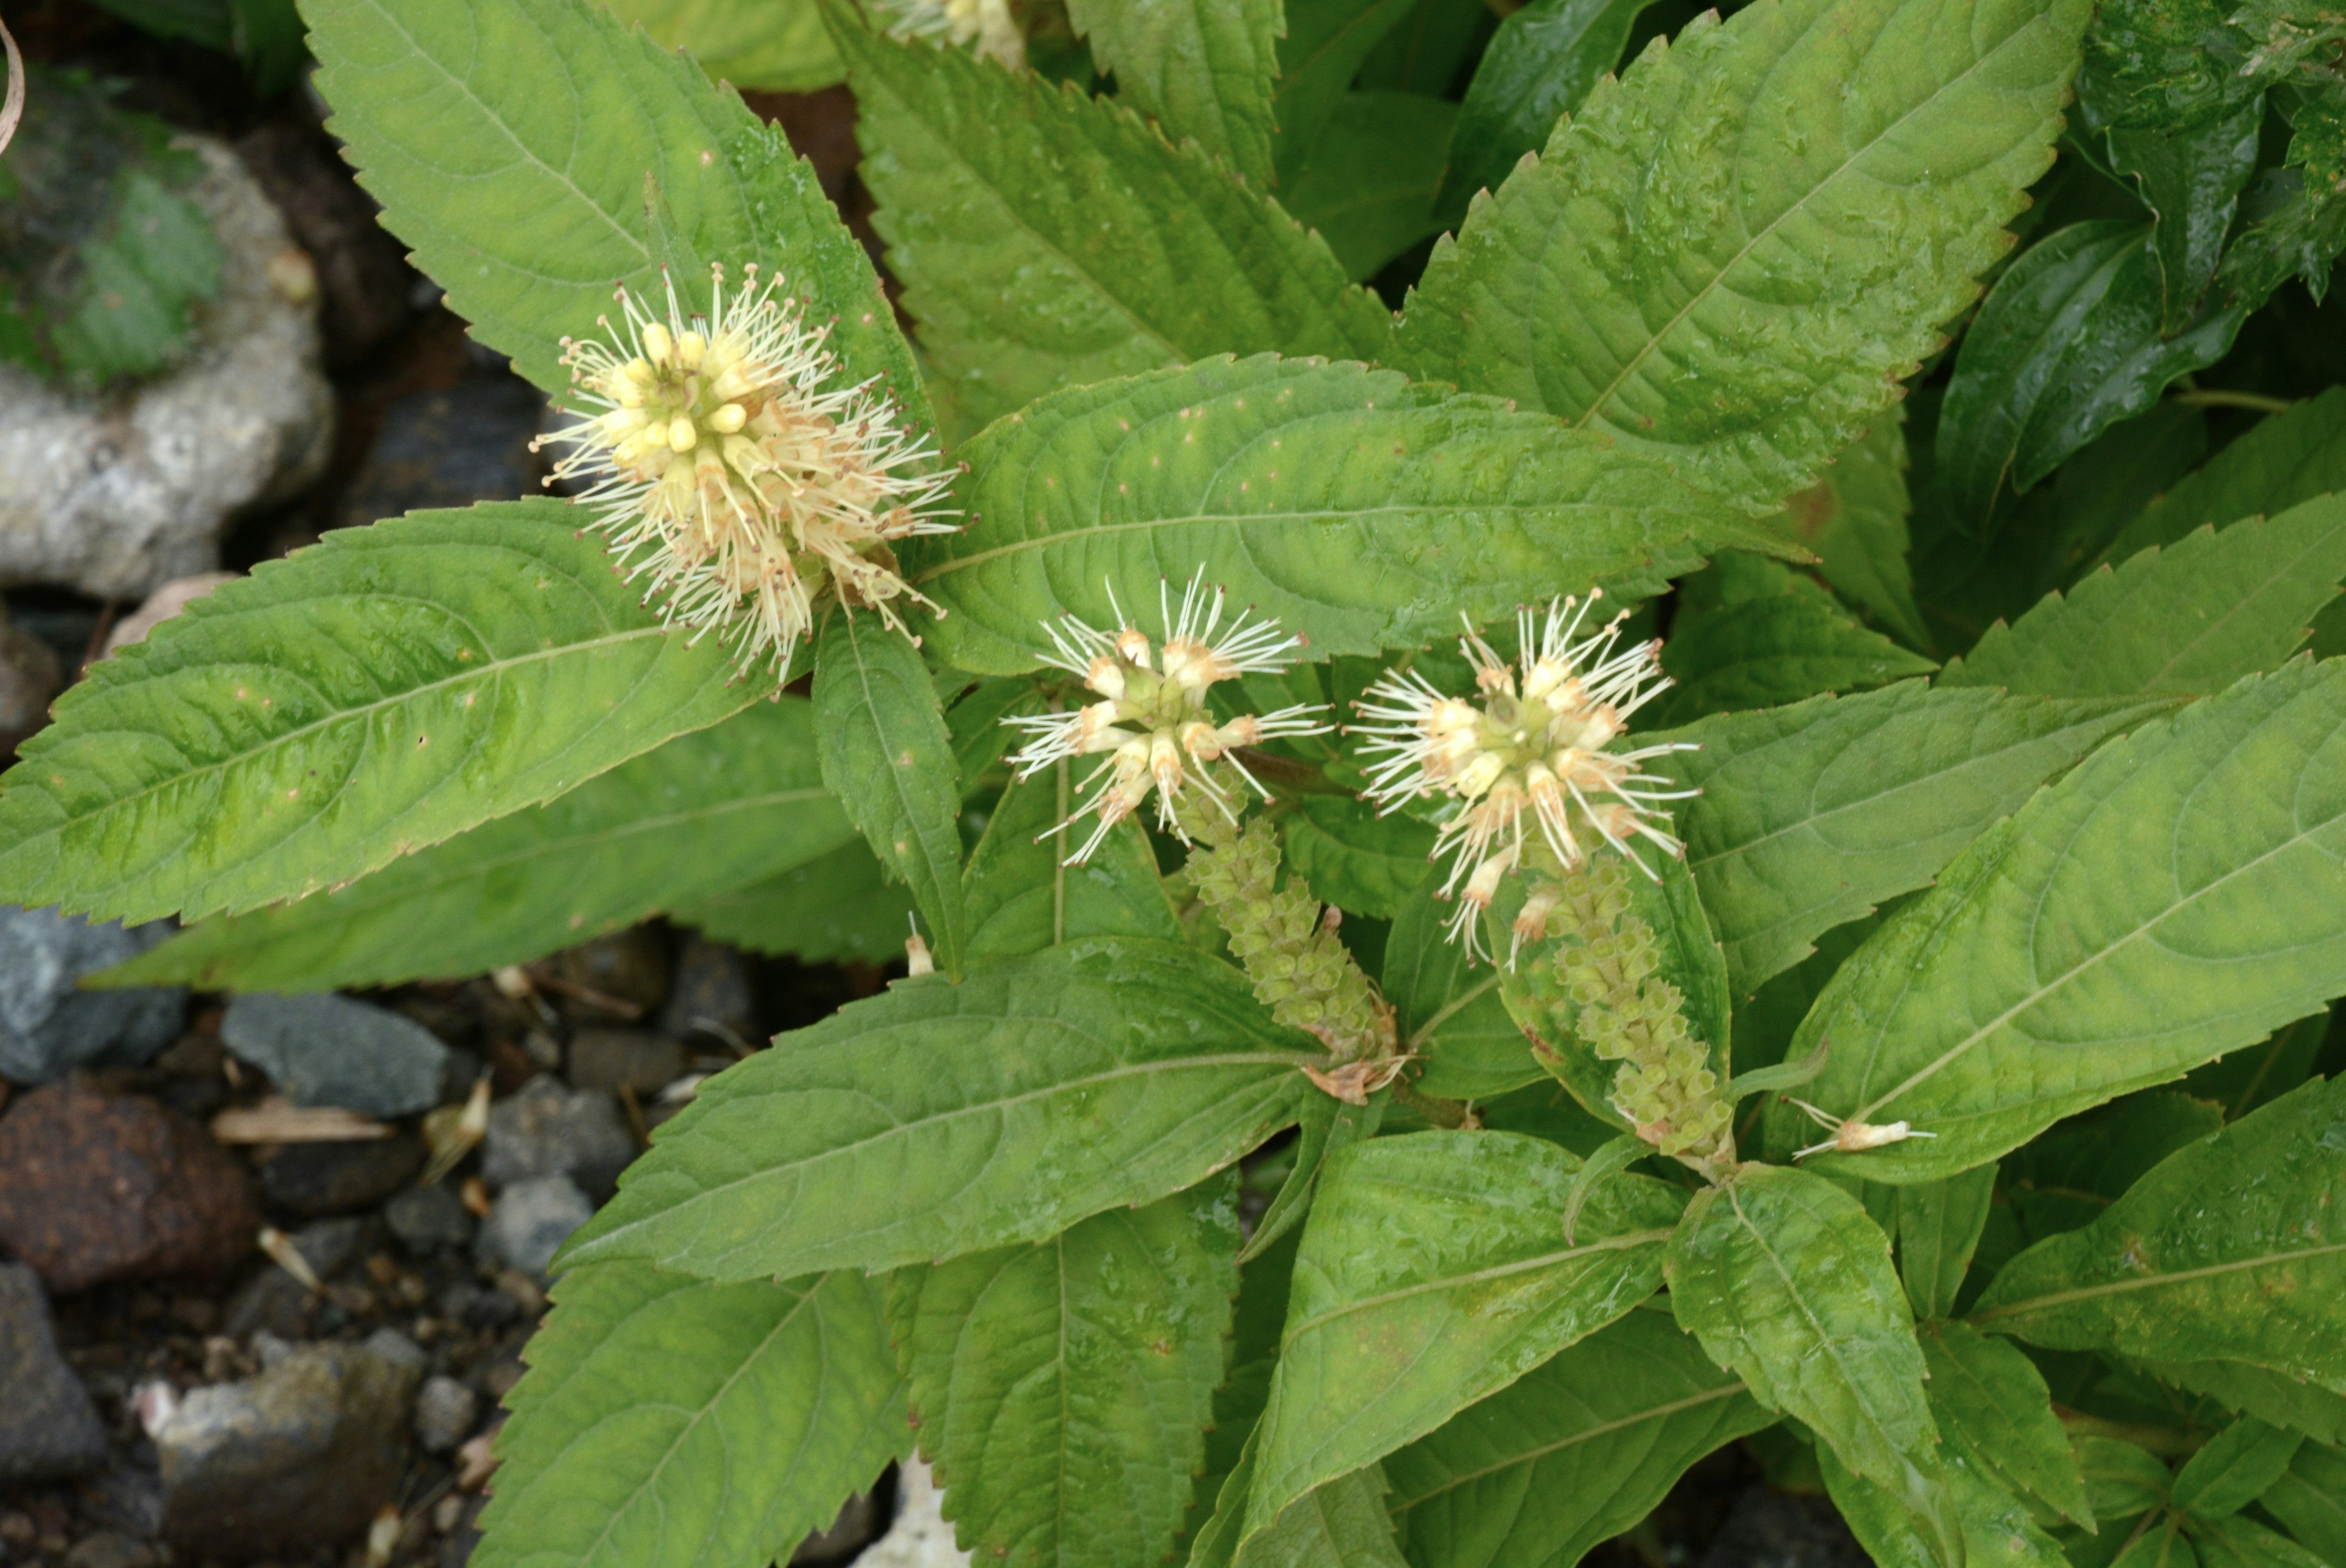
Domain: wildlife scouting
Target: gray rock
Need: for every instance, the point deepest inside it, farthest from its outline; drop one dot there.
(125, 1497)
(450, 447)
(616, 1059)
(116, 495)
(549, 1130)
(48, 1428)
(444, 1412)
(1771, 1529)
(272, 1302)
(109, 1549)
(328, 1050)
(709, 995)
(397, 1349)
(428, 1219)
(337, 1177)
(301, 1456)
(530, 1222)
(48, 1025)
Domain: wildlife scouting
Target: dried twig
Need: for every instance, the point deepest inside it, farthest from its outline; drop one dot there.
(277, 1120)
(11, 108)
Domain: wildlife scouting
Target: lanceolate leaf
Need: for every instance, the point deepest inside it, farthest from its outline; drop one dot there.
(1021, 899)
(837, 906)
(1340, 1524)
(1539, 64)
(1702, 260)
(1811, 815)
(2268, 1395)
(1201, 68)
(1360, 510)
(1328, 1127)
(1993, 1405)
(1367, 186)
(887, 758)
(2187, 620)
(1939, 1225)
(1362, 862)
(1854, 520)
(509, 141)
(1434, 1272)
(1785, 1282)
(1326, 42)
(1994, 1525)
(2179, 895)
(1029, 225)
(2235, 1468)
(1774, 649)
(1574, 1452)
(2291, 458)
(1447, 1010)
(702, 816)
(2161, 1277)
(382, 691)
(1061, 1392)
(943, 1118)
(667, 1422)
(2311, 1500)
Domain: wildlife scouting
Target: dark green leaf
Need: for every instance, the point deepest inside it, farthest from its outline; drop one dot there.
(702, 816)
(2244, 1080)
(1367, 184)
(2121, 1480)
(938, 1118)
(886, 755)
(2191, 177)
(1048, 1381)
(667, 1422)
(2311, 1500)
(1994, 1525)
(1778, 639)
(1939, 1224)
(1328, 1126)
(1359, 510)
(1201, 68)
(1811, 815)
(1785, 1282)
(152, 261)
(509, 142)
(2233, 1248)
(2238, 1542)
(1354, 858)
(1027, 222)
(837, 907)
(384, 690)
(2270, 1396)
(1326, 42)
(1578, 1449)
(2288, 459)
(2064, 1180)
(1434, 1272)
(1854, 520)
(1447, 1011)
(1020, 899)
(2066, 344)
(1701, 260)
(2234, 1469)
(2187, 620)
(1539, 64)
(1992, 1403)
(2181, 894)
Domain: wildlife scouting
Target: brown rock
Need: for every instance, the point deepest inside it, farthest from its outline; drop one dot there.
(364, 282)
(104, 1186)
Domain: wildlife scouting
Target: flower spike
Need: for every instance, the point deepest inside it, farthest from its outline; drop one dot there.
(1527, 760)
(1151, 724)
(724, 466)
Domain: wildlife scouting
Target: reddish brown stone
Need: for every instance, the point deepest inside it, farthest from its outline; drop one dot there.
(97, 1186)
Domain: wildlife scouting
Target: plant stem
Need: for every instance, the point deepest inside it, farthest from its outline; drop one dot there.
(2219, 397)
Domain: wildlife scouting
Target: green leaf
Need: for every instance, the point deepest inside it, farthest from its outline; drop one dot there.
(2180, 894)
(887, 758)
(1573, 1453)
(2244, 1080)
(942, 1118)
(2064, 1180)
(1785, 1282)
(1062, 1390)
(2163, 1545)
(837, 907)
(1341, 1524)
(1255, 1323)
(509, 142)
(386, 690)
(1027, 222)
(1201, 68)
(1434, 1272)
(2240, 1542)
(2234, 1469)
(2190, 178)
(2066, 344)
(2153, 1279)
(2187, 621)
(668, 1422)
(1326, 42)
(1538, 66)
(2121, 1480)
(1356, 508)
(1367, 184)
(2286, 460)
(1362, 862)
(2268, 1395)
(1996, 1526)
(151, 262)
(1020, 899)
(2311, 1500)
(1447, 1011)
(1429, 47)
(1328, 1126)
(1809, 815)
(773, 45)
(1780, 638)
(1704, 261)
(1939, 1225)
(700, 817)
(1854, 520)
(1993, 1405)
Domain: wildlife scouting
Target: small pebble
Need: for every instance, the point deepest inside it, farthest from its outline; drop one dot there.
(444, 1411)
